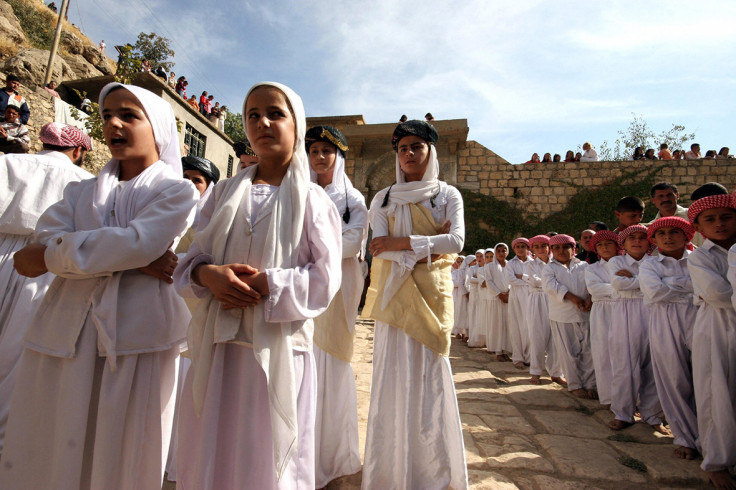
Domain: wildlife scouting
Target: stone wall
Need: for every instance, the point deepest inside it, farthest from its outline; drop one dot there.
(541, 189)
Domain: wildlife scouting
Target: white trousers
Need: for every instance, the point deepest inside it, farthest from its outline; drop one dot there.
(541, 341)
(497, 327)
(633, 378)
(517, 323)
(600, 326)
(572, 344)
(476, 327)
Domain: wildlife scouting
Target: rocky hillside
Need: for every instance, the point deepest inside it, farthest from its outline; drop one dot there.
(78, 57)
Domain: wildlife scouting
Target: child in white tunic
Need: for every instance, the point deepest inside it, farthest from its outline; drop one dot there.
(598, 282)
(460, 299)
(714, 336)
(569, 303)
(94, 399)
(486, 295)
(541, 341)
(477, 315)
(633, 384)
(265, 260)
(414, 436)
(29, 183)
(668, 290)
(336, 431)
(497, 333)
(518, 303)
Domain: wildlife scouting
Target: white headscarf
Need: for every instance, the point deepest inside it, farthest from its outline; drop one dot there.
(272, 345)
(125, 205)
(501, 244)
(401, 194)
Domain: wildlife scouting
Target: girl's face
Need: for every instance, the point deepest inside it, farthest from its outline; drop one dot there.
(670, 240)
(636, 244)
(322, 158)
(501, 253)
(479, 259)
(489, 257)
(270, 125)
(717, 224)
(413, 157)
(127, 130)
(606, 249)
(541, 250)
(198, 179)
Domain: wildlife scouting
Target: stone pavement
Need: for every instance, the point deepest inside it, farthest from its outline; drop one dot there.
(518, 435)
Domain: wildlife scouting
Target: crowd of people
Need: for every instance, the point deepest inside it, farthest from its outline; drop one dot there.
(206, 105)
(590, 155)
(158, 319)
(641, 319)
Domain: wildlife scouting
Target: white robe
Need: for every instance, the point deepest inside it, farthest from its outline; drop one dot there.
(668, 291)
(476, 313)
(497, 326)
(714, 356)
(633, 383)
(598, 282)
(460, 301)
(518, 308)
(210, 456)
(28, 185)
(413, 417)
(541, 341)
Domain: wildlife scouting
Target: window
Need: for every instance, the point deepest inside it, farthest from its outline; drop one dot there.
(229, 166)
(195, 140)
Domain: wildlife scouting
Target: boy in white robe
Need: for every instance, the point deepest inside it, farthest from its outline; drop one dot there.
(668, 290)
(714, 336)
(28, 185)
(497, 327)
(541, 341)
(603, 296)
(518, 303)
(569, 303)
(633, 379)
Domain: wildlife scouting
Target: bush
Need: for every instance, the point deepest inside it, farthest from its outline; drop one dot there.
(38, 23)
(8, 48)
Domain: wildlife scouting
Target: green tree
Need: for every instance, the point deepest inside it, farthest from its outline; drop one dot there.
(640, 134)
(128, 65)
(154, 48)
(234, 126)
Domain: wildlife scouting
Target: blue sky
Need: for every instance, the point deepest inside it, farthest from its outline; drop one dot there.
(529, 76)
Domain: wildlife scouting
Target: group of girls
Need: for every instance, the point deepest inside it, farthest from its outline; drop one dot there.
(649, 329)
(273, 280)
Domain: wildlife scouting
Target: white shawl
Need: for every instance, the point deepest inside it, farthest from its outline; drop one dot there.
(272, 343)
(125, 206)
(343, 194)
(401, 194)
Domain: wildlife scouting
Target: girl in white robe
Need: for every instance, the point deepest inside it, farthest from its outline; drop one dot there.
(497, 337)
(264, 262)
(459, 328)
(518, 303)
(486, 294)
(94, 397)
(476, 310)
(336, 431)
(414, 436)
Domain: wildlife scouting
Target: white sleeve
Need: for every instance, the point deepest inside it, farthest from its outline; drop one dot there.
(621, 283)
(305, 291)
(448, 243)
(598, 287)
(654, 287)
(183, 282)
(378, 219)
(102, 251)
(708, 283)
(552, 286)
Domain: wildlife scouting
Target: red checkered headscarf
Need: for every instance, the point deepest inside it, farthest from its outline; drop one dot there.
(671, 222)
(65, 135)
(709, 202)
(520, 240)
(562, 239)
(539, 239)
(628, 231)
(603, 235)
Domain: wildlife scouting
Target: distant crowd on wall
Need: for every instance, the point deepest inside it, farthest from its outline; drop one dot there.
(590, 155)
(205, 105)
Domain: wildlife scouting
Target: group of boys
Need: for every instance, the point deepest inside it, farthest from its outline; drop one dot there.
(647, 324)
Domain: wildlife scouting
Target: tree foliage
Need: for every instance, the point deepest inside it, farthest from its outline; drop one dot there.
(640, 134)
(234, 126)
(154, 48)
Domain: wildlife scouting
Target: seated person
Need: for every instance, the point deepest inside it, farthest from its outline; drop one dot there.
(51, 88)
(14, 136)
(664, 152)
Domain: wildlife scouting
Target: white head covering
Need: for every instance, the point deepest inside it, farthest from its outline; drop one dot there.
(400, 195)
(125, 203)
(272, 344)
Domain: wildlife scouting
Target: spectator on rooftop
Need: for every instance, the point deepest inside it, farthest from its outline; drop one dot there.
(10, 96)
(429, 117)
(14, 136)
(638, 153)
(678, 155)
(589, 153)
(664, 152)
(193, 102)
(214, 113)
(146, 66)
(203, 104)
(724, 153)
(710, 154)
(694, 152)
(649, 154)
(557, 158)
(570, 156)
(160, 73)
(403, 118)
(547, 158)
(578, 156)
(534, 158)
(221, 120)
(51, 88)
(180, 88)
(172, 80)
